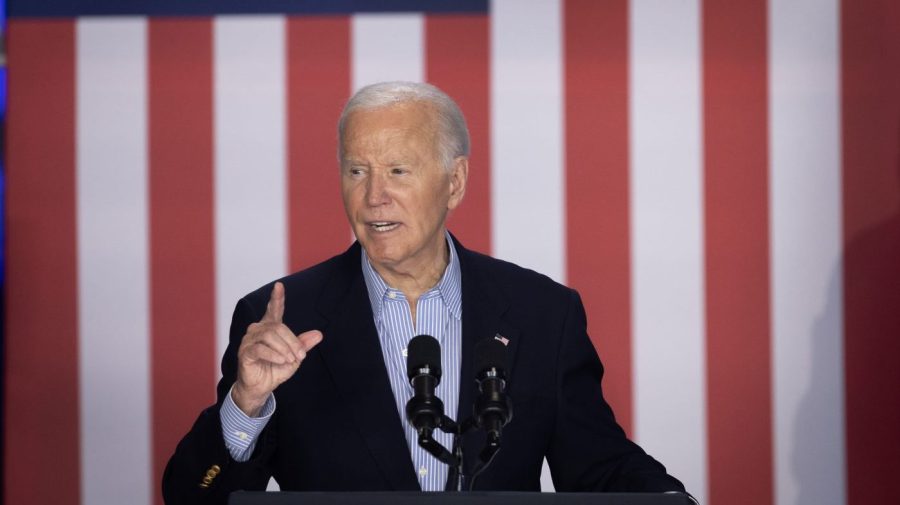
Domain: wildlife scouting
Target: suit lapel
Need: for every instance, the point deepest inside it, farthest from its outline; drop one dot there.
(354, 359)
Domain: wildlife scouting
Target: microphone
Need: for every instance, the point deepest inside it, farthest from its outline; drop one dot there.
(423, 368)
(425, 411)
(493, 408)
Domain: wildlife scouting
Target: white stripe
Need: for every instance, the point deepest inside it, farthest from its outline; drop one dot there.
(807, 302)
(387, 47)
(112, 261)
(527, 179)
(667, 237)
(527, 173)
(250, 179)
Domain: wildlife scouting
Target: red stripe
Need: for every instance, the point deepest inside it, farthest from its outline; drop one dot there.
(458, 55)
(597, 213)
(871, 217)
(737, 252)
(318, 74)
(181, 230)
(42, 458)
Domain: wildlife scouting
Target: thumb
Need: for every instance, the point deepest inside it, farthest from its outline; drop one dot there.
(275, 308)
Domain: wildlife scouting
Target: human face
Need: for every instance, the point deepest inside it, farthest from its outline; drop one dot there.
(396, 192)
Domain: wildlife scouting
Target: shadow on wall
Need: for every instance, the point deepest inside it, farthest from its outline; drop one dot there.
(870, 306)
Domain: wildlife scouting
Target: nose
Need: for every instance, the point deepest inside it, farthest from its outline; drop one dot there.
(377, 190)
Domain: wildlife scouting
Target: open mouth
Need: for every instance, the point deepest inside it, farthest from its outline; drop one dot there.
(383, 226)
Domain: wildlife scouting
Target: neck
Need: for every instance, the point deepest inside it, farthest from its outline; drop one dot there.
(416, 281)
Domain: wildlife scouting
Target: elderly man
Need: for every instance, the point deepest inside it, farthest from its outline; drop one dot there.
(314, 385)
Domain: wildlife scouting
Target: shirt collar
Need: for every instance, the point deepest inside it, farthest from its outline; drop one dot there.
(449, 286)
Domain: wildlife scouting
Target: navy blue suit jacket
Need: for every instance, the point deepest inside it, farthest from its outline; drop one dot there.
(336, 426)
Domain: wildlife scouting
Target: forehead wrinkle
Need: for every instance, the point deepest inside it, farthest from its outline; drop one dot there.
(391, 146)
(402, 138)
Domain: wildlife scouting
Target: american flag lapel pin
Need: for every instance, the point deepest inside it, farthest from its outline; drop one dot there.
(503, 340)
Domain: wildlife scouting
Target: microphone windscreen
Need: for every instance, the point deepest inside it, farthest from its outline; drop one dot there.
(423, 350)
(489, 353)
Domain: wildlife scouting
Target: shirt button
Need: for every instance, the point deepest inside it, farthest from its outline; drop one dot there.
(241, 435)
(392, 295)
(423, 471)
(403, 352)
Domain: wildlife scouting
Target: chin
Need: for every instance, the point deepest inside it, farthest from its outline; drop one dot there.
(378, 253)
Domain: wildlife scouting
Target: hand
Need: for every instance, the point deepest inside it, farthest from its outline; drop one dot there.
(269, 355)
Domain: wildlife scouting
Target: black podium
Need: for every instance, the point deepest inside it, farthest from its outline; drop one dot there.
(472, 498)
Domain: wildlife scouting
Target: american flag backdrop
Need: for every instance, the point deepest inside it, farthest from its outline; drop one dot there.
(719, 179)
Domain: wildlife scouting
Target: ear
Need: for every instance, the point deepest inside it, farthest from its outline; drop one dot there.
(459, 174)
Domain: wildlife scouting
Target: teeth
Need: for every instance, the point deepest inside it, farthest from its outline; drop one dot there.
(384, 226)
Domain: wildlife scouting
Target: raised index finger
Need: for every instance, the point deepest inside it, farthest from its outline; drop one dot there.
(275, 308)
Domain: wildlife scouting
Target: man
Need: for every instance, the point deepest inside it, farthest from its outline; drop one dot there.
(314, 383)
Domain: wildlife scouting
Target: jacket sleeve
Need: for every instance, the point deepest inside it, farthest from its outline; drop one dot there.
(590, 451)
(202, 470)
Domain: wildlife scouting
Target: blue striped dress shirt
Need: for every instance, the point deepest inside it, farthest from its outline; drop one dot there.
(439, 314)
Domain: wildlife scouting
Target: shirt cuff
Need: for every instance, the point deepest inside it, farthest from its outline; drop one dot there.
(240, 430)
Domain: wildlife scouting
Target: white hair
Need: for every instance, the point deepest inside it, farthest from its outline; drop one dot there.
(452, 132)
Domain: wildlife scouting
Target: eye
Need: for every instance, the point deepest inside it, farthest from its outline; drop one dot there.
(355, 171)
(398, 171)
